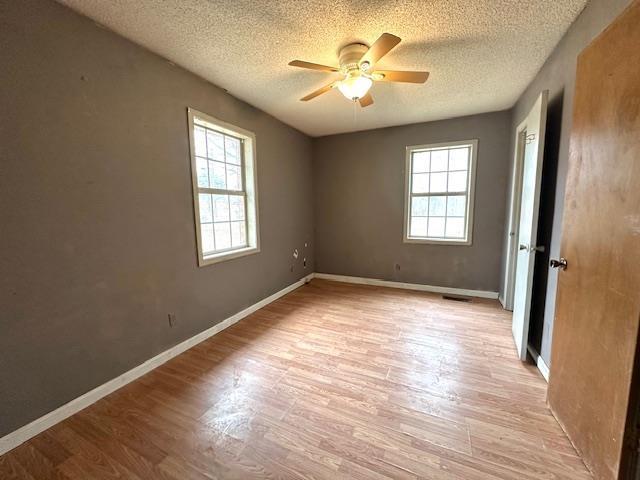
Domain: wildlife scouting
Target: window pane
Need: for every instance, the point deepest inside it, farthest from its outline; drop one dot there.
(419, 206)
(458, 181)
(455, 227)
(216, 175)
(206, 213)
(215, 145)
(438, 182)
(236, 203)
(436, 227)
(439, 192)
(437, 206)
(202, 172)
(439, 159)
(206, 230)
(420, 183)
(238, 235)
(418, 227)
(223, 235)
(232, 150)
(234, 178)
(459, 158)
(456, 206)
(421, 162)
(220, 209)
(199, 141)
(224, 201)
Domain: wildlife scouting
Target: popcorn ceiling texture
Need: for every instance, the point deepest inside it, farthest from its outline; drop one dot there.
(482, 54)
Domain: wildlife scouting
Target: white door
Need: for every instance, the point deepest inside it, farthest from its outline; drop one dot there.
(534, 129)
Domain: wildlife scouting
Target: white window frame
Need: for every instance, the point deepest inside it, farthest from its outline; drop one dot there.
(471, 179)
(250, 186)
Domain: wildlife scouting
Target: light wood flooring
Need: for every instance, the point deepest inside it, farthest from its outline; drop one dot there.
(332, 381)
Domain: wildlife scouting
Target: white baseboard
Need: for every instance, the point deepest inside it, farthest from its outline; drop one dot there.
(21, 435)
(407, 286)
(540, 363)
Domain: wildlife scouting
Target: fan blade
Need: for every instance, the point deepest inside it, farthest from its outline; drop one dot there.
(380, 48)
(320, 91)
(312, 66)
(396, 76)
(366, 100)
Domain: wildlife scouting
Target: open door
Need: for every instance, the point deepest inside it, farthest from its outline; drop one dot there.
(531, 132)
(594, 379)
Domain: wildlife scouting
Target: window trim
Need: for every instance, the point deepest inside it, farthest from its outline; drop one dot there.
(250, 184)
(473, 143)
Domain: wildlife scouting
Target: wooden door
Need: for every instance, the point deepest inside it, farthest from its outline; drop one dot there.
(595, 336)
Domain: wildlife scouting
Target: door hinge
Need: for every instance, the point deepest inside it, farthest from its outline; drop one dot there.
(530, 138)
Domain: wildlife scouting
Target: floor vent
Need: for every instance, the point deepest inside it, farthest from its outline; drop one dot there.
(456, 298)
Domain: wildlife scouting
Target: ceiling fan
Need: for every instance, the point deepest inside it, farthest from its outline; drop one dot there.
(357, 63)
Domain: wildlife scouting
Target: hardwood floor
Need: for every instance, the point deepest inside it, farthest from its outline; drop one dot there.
(332, 381)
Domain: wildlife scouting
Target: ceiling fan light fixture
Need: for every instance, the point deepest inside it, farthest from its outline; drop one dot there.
(355, 87)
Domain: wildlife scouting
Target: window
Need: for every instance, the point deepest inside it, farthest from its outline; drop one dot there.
(224, 189)
(439, 193)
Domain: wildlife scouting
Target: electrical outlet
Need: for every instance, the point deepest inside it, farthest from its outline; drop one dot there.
(172, 319)
(304, 262)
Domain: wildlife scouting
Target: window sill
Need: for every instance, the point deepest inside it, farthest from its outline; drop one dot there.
(222, 257)
(434, 241)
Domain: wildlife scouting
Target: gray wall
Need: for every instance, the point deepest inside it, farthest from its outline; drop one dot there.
(359, 205)
(558, 76)
(97, 239)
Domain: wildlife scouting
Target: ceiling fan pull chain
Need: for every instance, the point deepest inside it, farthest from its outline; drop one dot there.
(355, 113)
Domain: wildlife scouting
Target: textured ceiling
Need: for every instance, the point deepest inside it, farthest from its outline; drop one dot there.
(481, 53)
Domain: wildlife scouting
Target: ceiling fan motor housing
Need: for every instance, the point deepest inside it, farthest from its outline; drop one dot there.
(350, 56)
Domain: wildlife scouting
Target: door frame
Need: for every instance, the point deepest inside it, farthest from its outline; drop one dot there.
(514, 217)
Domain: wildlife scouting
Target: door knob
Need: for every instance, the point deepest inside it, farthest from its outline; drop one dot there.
(562, 263)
